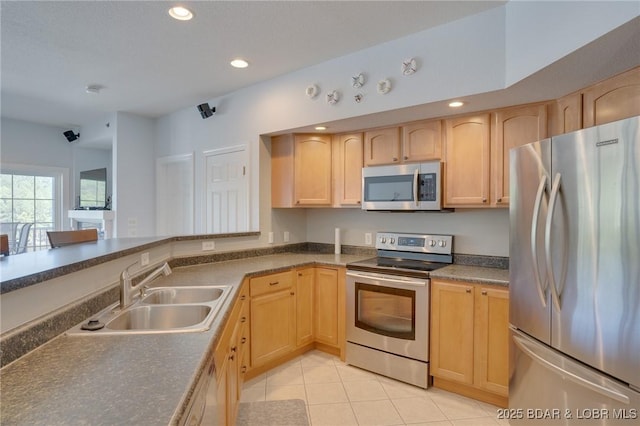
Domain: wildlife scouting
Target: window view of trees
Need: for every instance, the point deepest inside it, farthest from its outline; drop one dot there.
(27, 199)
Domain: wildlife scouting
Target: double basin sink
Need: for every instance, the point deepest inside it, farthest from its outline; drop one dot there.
(160, 310)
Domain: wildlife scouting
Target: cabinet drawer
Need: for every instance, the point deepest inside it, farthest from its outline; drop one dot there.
(271, 283)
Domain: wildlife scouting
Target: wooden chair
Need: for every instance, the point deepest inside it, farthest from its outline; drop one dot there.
(66, 238)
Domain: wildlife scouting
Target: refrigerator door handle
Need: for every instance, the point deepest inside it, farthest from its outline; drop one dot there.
(553, 198)
(530, 351)
(540, 286)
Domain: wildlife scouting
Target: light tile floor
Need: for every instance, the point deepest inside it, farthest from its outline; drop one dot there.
(337, 394)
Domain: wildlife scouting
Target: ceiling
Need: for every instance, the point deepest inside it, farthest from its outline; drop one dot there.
(149, 64)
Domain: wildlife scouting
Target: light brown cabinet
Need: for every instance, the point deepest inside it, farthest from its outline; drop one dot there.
(567, 115)
(327, 305)
(347, 168)
(382, 146)
(301, 170)
(417, 141)
(230, 361)
(273, 317)
(469, 347)
(612, 99)
(422, 141)
(512, 127)
(305, 287)
(467, 161)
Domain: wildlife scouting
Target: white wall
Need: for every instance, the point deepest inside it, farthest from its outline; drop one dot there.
(134, 178)
(24, 142)
(559, 27)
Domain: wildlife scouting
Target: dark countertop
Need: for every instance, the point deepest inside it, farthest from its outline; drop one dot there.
(473, 274)
(135, 379)
(147, 379)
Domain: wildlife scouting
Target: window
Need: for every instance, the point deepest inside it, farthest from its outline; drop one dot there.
(30, 196)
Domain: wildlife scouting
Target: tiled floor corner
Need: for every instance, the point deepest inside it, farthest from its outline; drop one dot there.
(337, 394)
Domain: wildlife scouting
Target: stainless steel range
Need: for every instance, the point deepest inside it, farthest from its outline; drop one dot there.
(388, 305)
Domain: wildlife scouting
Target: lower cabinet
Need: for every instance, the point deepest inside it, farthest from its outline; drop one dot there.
(470, 339)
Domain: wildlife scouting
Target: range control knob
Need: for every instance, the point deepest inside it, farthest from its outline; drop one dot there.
(392, 240)
(432, 243)
(383, 240)
(442, 243)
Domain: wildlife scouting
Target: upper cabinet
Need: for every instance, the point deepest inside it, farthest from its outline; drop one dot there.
(467, 161)
(347, 169)
(567, 115)
(612, 99)
(306, 158)
(418, 141)
(512, 127)
(382, 146)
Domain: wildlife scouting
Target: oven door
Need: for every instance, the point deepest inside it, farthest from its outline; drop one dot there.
(389, 313)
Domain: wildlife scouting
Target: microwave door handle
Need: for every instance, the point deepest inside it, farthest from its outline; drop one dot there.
(415, 186)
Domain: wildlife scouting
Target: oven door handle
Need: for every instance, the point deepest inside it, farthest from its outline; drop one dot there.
(395, 279)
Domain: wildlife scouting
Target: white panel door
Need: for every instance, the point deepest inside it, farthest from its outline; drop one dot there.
(174, 195)
(227, 191)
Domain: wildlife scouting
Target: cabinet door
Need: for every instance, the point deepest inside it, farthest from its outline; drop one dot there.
(326, 306)
(612, 99)
(221, 398)
(467, 165)
(568, 114)
(422, 141)
(382, 146)
(348, 162)
(282, 171)
(513, 127)
(304, 306)
(452, 331)
(233, 389)
(273, 328)
(491, 347)
(312, 170)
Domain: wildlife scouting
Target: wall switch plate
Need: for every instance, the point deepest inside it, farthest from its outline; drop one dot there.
(208, 245)
(286, 236)
(270, 237)
(144, 259)
(367, 238)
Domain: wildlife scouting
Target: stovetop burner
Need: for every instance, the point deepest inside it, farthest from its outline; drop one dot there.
(408, 254)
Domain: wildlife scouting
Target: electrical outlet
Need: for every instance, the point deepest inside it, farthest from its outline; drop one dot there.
(144, 259)
(367, 238)
(208, 245)
(286, 236)
(270, 237)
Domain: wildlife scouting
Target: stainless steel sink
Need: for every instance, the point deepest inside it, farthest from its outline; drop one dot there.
(166, 317)
(179, 295)
(161, 310)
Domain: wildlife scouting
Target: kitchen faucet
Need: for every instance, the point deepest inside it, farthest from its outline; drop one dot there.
(127, 290)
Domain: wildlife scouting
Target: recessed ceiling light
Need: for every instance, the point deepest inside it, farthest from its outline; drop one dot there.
(239, 63)
(93, 89)
(180, 13)
(321, 127)
(456, 104)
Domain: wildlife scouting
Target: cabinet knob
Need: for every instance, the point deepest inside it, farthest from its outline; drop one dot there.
(243, 297)
(499, 200)
(292, 293)
(484, 200)
(231, 357)
(234, 349)
(484, 292)
(243, 369)
(468, 290)
(395, 158)
(274, 283)
(405, 157)
(243, 319)
(243, 340)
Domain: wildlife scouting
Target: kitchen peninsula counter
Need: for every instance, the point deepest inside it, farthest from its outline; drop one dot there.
(134, 379)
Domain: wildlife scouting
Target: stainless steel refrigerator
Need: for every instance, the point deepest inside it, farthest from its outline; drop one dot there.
(575, 278)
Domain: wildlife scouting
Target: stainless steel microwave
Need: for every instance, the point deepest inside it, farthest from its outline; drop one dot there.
(408, 187)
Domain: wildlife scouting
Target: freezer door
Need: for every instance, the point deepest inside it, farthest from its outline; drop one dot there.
(529, 193)
(548, 388)
(592, 242)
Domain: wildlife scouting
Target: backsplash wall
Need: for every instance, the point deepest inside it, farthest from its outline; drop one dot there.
(476, 231)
